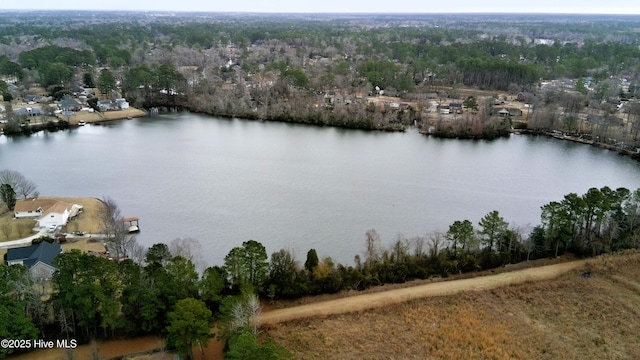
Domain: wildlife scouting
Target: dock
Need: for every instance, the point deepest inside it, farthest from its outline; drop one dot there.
(134, 224)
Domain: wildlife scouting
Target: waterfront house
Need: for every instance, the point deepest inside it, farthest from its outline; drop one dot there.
(27, 112)
(113, 105)
(38, 259)
(69, 104)
(48, 213)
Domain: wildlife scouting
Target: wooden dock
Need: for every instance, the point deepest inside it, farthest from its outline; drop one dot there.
(134, 224)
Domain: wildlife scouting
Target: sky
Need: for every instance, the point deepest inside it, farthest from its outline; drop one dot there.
(339, 6)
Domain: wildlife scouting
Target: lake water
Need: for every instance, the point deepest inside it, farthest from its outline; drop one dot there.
(298, 187)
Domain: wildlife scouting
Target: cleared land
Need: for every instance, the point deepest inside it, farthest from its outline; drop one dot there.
(93, 117)
(391, 297)
(571, 317)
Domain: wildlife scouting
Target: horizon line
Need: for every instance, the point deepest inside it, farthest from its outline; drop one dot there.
(320, 12)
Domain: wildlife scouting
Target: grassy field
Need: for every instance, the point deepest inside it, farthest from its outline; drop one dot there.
(571, 317)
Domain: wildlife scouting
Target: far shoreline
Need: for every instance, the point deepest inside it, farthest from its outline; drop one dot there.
(98, 117)
(130, 113)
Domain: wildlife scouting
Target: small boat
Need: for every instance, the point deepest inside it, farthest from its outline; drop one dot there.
(82, 123)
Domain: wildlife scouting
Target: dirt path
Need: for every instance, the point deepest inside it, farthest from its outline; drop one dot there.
(385, 298)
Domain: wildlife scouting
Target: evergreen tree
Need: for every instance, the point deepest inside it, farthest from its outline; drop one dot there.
(188, 326)
(312, 260)
(8, 196)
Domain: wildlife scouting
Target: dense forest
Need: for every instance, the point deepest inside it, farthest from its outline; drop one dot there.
(577, 73)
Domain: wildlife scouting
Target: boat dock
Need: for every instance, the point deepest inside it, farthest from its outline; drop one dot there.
(134, 224)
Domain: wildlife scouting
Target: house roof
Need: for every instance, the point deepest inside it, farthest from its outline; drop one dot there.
(59, 207)
(47, 205)
(28, 111)
(31, 204)
(30, 255)
(68, 103)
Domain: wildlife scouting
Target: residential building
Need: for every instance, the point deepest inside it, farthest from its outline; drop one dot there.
(48, 213)
(38, 259)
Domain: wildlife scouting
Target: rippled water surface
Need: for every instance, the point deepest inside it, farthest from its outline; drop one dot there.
(298, 187)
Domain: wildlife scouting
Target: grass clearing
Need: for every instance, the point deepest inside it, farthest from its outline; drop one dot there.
(570, 317)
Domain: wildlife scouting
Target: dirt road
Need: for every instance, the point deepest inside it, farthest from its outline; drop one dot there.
(385, 298)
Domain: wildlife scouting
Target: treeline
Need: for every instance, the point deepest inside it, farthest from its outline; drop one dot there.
(8, 67)
(36, 58)
(493, 73)
(600, 221)
(472, 127)
(56, 65)
(512, 59)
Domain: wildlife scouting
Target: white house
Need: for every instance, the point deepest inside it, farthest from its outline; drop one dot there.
(47, 212)
(122, 104)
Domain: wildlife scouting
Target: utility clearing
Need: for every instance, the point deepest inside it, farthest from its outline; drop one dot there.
(397, 296)
(586, 309)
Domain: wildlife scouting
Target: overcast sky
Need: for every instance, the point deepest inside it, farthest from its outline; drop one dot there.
(339, 6)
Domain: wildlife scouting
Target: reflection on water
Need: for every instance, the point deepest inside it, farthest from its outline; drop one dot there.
(223, 182)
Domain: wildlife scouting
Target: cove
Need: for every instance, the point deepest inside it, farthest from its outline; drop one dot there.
(297, 187)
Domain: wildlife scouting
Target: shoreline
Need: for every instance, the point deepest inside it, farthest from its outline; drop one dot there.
(97, 117)
(635, 155)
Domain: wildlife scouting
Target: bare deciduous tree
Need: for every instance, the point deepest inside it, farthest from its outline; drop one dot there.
(372, 254)
(188, 248)
(437, 240)
(113, 226)
(400, 249)
(418, 246)
(247, 313)
(20, 184)
(133, 250)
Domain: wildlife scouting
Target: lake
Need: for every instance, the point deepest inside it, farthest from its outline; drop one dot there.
(223, 181)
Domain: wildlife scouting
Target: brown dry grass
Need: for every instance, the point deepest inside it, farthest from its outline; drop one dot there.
(88, 220)
(123, 114)
(94, 117)
(570, 317)
(11, 229)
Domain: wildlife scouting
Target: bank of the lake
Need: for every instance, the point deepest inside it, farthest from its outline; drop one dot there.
(225, 181)
(79, 118)
(95, 117)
